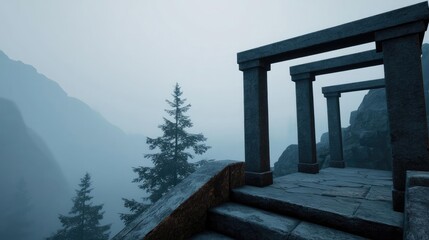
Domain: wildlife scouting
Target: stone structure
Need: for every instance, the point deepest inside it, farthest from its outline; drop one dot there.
(305, 74)
(398, 35)
(332, 95)
(182, 212)
(417, 207)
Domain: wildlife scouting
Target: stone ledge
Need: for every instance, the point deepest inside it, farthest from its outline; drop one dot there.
(416, 214)
(182, 212)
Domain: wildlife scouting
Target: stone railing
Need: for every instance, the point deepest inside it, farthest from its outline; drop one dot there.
(398, 38)
(332, 95)
(182, 212)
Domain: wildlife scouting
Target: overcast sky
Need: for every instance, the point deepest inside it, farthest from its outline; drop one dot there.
(123, 58)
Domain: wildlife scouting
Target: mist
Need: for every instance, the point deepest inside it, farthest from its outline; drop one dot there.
(84, 83)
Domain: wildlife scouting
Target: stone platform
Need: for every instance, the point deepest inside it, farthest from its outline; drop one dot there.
(353, 200)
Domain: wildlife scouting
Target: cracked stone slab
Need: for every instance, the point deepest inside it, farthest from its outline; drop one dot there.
(245, 222)
(294, 203)
(378, 193)
(354, 200)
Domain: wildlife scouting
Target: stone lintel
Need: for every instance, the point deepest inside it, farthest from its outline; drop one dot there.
(303, 76)
(308, 167)
(345, 35)
(352, 87)
(418, 27)
(338, 64)
(254, 64)
(259, 179)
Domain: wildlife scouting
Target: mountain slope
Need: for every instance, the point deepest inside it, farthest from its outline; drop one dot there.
(26, 160)
(80, 139)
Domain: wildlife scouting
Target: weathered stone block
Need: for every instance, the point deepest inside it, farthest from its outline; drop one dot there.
(182, 212)
(416, 206)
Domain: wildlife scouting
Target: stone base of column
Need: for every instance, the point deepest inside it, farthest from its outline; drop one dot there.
(398, 200)
(308, 167)
(259, 179)
(337, 164)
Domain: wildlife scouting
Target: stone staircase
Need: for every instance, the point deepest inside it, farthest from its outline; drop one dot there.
(352, 207)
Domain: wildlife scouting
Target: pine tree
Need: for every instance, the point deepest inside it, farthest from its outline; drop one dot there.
(84, 221)
(171, 161)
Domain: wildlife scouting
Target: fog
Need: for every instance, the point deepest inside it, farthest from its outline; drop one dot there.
(101, 71)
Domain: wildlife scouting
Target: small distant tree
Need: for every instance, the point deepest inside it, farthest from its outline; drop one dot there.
(171, 161)
(84, 220)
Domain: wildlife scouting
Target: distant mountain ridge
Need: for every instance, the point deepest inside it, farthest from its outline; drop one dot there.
(80, 139)
(24, 157)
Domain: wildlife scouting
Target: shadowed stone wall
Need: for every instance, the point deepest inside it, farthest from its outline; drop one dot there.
(182, 212)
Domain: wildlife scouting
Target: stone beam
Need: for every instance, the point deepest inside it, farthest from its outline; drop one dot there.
(345, 35)
(338, 64)
(353, 87)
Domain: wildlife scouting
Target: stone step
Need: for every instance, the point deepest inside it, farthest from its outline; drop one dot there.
(210, 235)
(244, 222)
(371, 219)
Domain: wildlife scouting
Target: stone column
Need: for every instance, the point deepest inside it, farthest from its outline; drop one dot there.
(335, 132)
(256, 139)
(305, 120)
(401, 48)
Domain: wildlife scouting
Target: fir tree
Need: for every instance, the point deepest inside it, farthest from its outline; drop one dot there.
(171, 161)
(84, 220)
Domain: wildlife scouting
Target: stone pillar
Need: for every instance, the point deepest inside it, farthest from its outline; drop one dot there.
(401, 48)
(335, 132)
(305, 120)
(256, 140)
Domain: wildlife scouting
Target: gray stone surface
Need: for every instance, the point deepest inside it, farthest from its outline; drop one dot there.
(182, 212)
(344, 199)
(243, 222)
(417, 206)
(309, 231)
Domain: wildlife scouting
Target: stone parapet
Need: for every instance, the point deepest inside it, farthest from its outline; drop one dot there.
(416, 214)
(182, 212)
